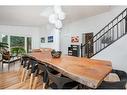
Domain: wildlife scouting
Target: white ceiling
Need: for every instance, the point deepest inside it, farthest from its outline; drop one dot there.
(33, 15)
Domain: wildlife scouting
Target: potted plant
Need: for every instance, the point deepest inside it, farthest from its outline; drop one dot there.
(18, 51)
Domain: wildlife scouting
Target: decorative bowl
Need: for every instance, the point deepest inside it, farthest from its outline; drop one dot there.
(56, 54)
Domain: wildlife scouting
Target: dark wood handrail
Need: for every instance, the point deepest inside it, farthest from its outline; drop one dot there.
(106, 26)
(97, 37)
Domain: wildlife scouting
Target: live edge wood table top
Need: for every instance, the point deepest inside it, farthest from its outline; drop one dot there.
(89, 72)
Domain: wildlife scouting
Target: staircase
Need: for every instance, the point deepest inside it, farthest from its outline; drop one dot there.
(112, 32)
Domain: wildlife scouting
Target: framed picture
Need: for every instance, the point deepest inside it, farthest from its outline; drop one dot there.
(50, 39)
(75, 39)
(42, 39)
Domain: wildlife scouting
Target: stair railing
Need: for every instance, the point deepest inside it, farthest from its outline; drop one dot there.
(113, 31)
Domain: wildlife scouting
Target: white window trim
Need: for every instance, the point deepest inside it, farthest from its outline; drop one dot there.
(8, 41)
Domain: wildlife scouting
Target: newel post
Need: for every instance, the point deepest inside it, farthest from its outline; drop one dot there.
(81, 50)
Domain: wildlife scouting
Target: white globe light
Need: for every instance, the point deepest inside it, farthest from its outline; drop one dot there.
(61, 15)
(58, 24)
(57, 9)
(52, 18)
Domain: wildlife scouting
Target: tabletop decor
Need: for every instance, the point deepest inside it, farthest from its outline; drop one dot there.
(56, 54)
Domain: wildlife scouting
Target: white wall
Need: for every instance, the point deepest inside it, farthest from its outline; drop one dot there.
(94, 24)
(22, 31)
(117, 53)
(91, 24)
(50, 31)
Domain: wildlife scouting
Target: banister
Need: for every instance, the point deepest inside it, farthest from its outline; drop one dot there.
(110, 30)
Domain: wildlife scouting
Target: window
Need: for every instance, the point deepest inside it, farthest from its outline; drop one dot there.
(29, 44)
(4, 38)
(17, 41)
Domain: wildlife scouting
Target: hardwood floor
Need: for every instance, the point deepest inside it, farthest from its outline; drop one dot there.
(11, 80)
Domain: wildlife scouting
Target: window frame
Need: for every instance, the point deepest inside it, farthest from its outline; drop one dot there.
(25, 42)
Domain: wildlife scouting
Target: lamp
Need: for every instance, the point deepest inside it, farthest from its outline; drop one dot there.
(57, 17)
(57, 9)
(52, 18)
(61, 15)
(58, 24)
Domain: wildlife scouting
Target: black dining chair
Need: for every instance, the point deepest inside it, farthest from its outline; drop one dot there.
(60, 81)
(34, 66)
(112, 84)
(53, 79)
(41, 71)
(23, 70)
(117, 84)
(27, 69)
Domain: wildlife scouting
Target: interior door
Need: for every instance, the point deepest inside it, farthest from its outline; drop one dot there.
(89, 48)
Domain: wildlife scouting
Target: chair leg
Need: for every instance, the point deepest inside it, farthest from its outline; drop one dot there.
(31, 80)
(44, 85)
(35, 82)
(29, 72)
(14, 65)
(26, 75)
(2, 65)
(22, 75)
(8, 66)
(20, 70)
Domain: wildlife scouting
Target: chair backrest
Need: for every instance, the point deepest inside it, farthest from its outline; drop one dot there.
(25, 61)
(122, 75)
(60, 81)
(42, 67)
(34, 65)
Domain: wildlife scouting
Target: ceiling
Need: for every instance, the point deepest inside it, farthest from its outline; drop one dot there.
(38, 15)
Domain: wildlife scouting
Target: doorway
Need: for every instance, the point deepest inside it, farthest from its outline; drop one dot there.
(86, 37)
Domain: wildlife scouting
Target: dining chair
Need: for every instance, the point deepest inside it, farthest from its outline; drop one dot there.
(34, 66)
(117, 84)
(117, 80)
(27, 70)
(41, 71)
(24, 67)
(59, 81)
(21, 65)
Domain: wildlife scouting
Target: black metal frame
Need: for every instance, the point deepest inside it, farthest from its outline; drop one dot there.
(115, 29)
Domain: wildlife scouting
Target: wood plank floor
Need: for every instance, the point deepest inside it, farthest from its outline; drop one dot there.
(11, 80)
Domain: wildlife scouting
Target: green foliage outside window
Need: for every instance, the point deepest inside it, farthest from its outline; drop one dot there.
(5, 39)
(17, 41)
(18, 51)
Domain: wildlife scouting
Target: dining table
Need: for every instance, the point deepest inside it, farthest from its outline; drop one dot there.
(89, 72)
